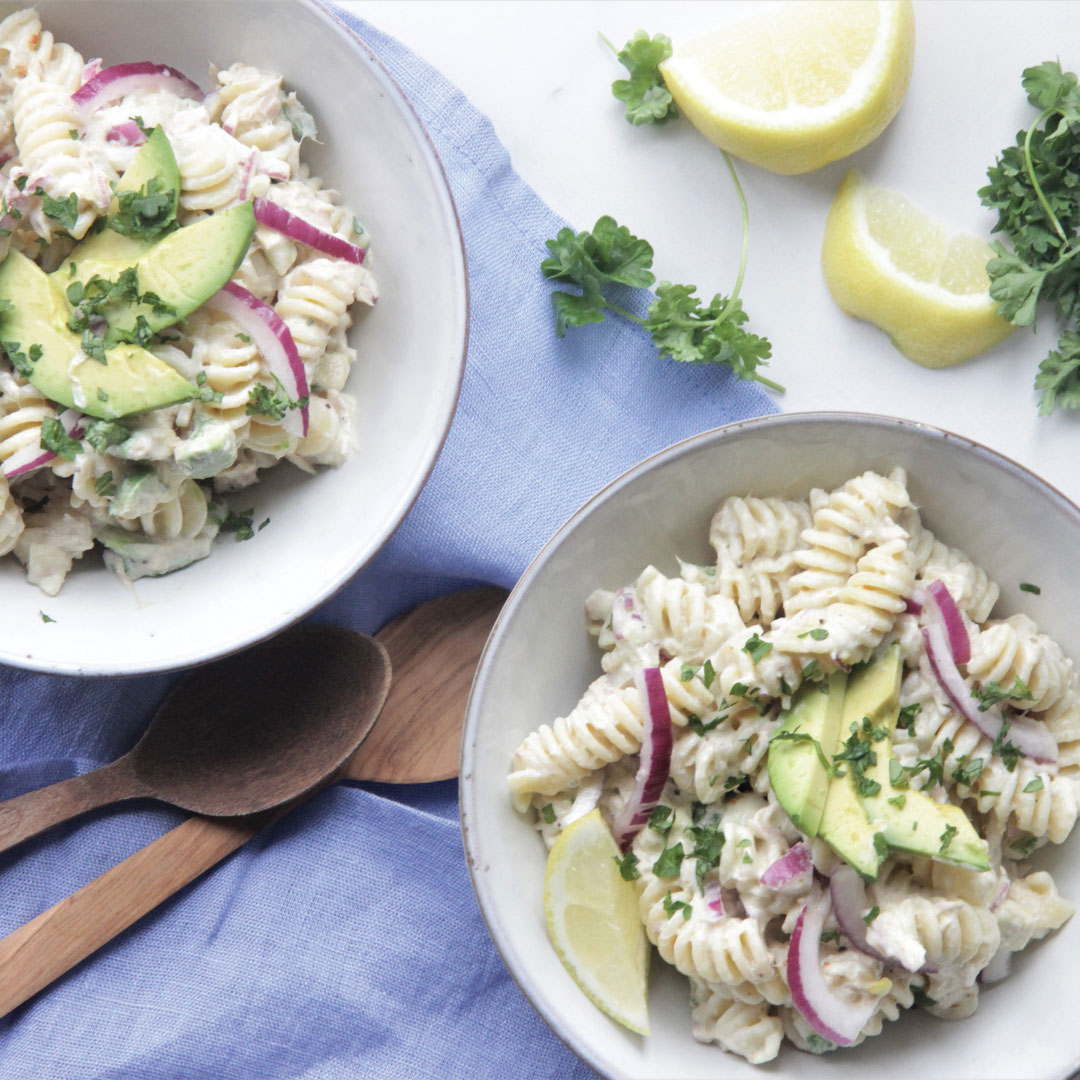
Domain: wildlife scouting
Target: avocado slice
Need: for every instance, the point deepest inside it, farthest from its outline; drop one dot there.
(806, 731)
(183, 270)
(133, 380)
(154, 160)
(912, 821)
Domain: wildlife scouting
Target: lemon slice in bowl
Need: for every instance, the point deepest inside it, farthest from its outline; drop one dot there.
(889, 263)
(798, 86)
(592, 919)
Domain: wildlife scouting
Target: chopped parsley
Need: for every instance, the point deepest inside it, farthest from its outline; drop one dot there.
(628, 866)
(830, 935)
(1033, 785)
(922, 1000)
(967, 772)
(1007, 751)
(934, 767)
(673, 907)
(708, 843)
(46, 618)
(548, 814)
(667, 865)
(240, 522)
(1024, 844)
(819, 633)
(898, 801)
(273, 402)
(757, 649)
(101, 434)
(897, 778)
(65, 211)
(55, 438)
(661, 819)
(708, 673)
(871, 915)
(1026, 586)
(147, 213)
(993, 693)
(946, 838)
(702, 727)
(104, 485)
(812, 671)
(802, 736)
(860, 755)
(23, 362)
(733, 782)
(906, 719)
(206, 393)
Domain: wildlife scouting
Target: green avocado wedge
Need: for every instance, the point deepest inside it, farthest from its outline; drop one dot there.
(183, 270)
(797, 770)
(37, 339)
(911, 821)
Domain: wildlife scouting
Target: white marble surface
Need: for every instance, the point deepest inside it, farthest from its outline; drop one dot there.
(538, 69)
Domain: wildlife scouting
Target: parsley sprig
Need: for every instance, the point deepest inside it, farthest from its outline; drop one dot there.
(1033, 186)
(647, 99)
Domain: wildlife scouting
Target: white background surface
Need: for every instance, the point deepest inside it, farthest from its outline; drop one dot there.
(538, 69)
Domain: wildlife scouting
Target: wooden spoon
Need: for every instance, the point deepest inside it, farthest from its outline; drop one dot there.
(434, 651)
(239, 735)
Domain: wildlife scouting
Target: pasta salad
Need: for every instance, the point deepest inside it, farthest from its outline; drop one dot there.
(814, 881)
(257, 366)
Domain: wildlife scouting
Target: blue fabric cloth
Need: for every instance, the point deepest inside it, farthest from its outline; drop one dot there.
(345, 941)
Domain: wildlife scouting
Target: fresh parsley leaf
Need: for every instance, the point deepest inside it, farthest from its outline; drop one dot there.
(65, 211)
(646, 97)
(55, 438)
(46, 618)
(830, 935)
(872, 914)
(934, 767)
(1033, 785)
(673, 907)
(967, 772)
(1024, 844)
(946, 838)
(812, 672)
(548, 813)
(708, 843)
(1026, 586)
(661, 819)
(819, 633)
(906, 719)
(147, 213)
(898, 801)
(669, 861)
(101, 434)
(757, 649)
(628, 866)
(803, 736)
(993, 693)
(22, 362)
(104, 485)
(921, 999)
(240, 522)
(272, 401)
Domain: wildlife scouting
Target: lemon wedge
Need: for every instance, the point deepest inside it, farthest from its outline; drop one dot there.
(592, 919)
(889, 263)
(800, 85)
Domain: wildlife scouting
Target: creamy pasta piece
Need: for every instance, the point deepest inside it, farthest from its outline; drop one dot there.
(149, 486)
(802, 594)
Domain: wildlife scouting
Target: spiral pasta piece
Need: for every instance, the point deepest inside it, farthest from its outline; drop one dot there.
(845, 523)
(11, 523)
(22, 409)
(1014, 648)
(751, 1031)
(248, 105)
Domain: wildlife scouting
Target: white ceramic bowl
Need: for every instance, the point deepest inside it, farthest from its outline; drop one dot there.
(412, 350)
(539, 659)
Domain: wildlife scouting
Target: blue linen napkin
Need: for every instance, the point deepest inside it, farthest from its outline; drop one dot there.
(346, 941)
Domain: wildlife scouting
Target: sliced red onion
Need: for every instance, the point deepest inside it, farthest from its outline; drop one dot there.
(266, 328)
(91, 68)
(998, 968)
(279, 219)
(940, 608)
(245, 181)
(1029, 736)
(714, 899)
(655, 761)
(999, 898)
(848, 896)
(72, 420)
(112, 83)
(914, 603)
(791, 873)
(830, 1016)
(128, 133)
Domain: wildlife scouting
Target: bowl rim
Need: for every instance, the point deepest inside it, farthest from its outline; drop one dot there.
(325, 14)
(470, 812)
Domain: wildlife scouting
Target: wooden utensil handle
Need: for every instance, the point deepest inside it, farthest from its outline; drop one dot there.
(51, 944)
(32, 813)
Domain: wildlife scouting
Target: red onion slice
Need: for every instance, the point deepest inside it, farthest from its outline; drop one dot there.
(941, 609)
(848, 896)
(271, 336)
(112, 83)
(1029, 736)
(831, 1017)
(128, 133)
(913, 605)
(280, 220)
(655, 761)
(791, 873)
(714, 899)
